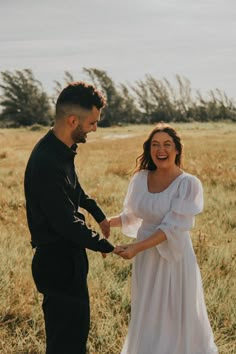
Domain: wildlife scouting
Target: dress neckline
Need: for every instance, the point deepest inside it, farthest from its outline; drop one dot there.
(172, 183)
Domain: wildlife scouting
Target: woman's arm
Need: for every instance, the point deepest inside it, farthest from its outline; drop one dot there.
(115, 221)
(131, 250)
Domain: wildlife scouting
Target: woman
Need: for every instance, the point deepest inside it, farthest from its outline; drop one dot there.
(168, 312)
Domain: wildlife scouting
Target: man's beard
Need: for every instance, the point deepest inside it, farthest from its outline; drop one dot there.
(78, 135)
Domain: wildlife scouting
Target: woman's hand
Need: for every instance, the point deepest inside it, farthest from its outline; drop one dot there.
(126, 251)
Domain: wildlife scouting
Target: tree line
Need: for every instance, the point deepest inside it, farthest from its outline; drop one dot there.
(24, 102)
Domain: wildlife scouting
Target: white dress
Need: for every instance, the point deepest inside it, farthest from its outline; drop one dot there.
(168, 312)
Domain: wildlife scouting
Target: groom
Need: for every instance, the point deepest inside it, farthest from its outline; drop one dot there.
(58, 229)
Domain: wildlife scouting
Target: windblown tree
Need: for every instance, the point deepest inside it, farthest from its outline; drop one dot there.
(214, 108)
(68, 77)
(152, 100)
(120, 104)
(159, 100)
(129, 109)
(23, 100)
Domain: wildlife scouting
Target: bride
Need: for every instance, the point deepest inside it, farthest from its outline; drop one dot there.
(168, 312)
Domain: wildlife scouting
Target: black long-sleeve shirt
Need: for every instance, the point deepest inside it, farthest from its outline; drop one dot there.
(54, 195)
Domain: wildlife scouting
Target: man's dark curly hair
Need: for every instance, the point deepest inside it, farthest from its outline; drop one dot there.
(79, 94)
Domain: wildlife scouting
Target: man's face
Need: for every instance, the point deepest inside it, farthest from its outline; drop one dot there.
(86, 124)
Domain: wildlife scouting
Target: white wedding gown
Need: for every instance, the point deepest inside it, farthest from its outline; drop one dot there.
(168, 312)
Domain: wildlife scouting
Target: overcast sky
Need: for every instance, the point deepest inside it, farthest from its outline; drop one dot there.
(127, 38)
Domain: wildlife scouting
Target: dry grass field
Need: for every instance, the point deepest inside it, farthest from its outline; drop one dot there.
(104, 165)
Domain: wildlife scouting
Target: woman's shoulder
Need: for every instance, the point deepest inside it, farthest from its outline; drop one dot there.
(139, 176)
(190, 181)
(141, 172)
(189, 177)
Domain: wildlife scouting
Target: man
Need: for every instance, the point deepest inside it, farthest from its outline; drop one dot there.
(57, 226)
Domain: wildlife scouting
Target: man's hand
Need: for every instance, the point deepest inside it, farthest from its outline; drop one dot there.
(105, 227)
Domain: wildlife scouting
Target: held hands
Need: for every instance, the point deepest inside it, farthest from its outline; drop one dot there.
(126, 251)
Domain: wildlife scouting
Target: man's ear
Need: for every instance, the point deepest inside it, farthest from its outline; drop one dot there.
(72, 121)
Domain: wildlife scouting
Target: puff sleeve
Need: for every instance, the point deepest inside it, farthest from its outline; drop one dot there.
(130, 221)
(180, 218)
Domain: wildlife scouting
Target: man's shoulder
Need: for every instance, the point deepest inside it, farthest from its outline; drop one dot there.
(43, 147)
(43, 154)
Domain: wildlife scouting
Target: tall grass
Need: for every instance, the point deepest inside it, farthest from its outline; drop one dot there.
(104, 165)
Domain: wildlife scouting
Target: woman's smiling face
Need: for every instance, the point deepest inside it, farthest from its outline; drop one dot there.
(163, 150)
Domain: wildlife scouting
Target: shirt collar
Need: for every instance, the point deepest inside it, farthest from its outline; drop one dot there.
(62, 149)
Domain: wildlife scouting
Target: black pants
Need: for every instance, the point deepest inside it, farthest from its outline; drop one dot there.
(60, 274)
(67, 321)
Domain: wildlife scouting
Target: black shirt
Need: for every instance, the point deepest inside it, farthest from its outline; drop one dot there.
(54, 195)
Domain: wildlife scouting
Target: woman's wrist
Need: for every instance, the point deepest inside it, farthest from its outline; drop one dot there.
(138, 247)
(115, 221)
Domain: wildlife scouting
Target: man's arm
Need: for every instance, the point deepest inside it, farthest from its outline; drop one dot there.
(61, 212)
(89, 204)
